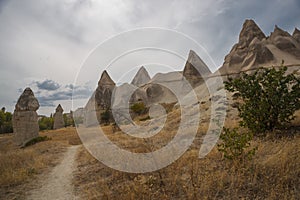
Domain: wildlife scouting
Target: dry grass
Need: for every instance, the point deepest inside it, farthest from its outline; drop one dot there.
(20, 166)
(273, 174)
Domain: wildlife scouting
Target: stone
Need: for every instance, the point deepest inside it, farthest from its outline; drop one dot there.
(195, 69)
(249, 31)
(103, 94)
(90, 116)
(250, 36)
(58, 118)
(141, 78)
(257, 54)
(25, 118)
(285, 42)
(254, 49)
(296, 35)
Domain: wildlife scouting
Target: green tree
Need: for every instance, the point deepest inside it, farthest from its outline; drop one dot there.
(5, 121)
(270, 98)
(69, 121)
(46, 123)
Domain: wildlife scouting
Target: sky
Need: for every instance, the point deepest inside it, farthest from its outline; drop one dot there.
(44, 44)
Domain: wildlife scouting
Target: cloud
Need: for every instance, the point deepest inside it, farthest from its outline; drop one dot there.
(48, 92)
(52, 38)
(47, 85)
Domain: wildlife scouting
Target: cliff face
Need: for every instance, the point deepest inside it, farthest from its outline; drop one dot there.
(254, 49)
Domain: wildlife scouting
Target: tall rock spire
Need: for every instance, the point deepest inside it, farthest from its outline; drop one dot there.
(58, 118)
(25, 118)
(105, 79)
(103, 94)
(296, 35)
(195, 69)
(142, 77)
(250, 31)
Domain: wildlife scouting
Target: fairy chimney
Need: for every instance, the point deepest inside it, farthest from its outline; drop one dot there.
(25, 118)
(58, 118)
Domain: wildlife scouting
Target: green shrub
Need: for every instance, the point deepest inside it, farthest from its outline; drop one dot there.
(69, 121)
(5, 121)
(236, 145)
(46, 123)
(105, 117)
(36, 140)
(138, 108)
(270, 98)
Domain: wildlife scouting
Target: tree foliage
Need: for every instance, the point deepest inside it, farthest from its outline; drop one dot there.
(270, 98)
(69, 121)
(5, 121)
(46, 123)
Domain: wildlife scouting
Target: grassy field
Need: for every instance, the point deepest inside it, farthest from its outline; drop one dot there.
(274, 172)
(19, 167)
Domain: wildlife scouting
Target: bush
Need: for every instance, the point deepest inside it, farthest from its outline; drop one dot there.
(69, 121)
(5, 121)
(37, 140)
(105, 116)
(46, 123)
(235, 145)
(138, 108)
(270, 98)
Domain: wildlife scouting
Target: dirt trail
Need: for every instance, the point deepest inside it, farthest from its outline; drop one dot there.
(58, 184)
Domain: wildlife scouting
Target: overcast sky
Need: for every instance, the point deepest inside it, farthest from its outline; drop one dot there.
(44, 43)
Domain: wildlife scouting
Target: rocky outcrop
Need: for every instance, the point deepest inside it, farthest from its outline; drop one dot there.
(141, 78)
(103, 94)
(90, 115)
(195, 69)
(284, 41)
(249, 50)
(249, 31)
(254, 49)
(58, 118)
(296, 35)
(25, 118)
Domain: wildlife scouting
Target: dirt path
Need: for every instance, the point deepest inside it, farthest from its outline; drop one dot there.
(58, 184)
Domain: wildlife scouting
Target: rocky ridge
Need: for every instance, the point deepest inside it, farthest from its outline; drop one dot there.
(255, 49)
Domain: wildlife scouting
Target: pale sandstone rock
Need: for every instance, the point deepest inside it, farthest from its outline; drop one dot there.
(25, 118)
(58, 118)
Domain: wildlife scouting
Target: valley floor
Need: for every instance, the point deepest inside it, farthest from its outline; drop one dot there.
(48, 166)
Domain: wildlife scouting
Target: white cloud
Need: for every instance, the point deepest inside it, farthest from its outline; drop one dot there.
(50, 39)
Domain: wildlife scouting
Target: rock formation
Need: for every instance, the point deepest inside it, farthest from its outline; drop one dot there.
(141, 78)
(254, 49)
(103, 94)
(296, 35)
(90, 115)
(249, 49)
(195, 69)
(285, 42)
(58, 118)
(25, 118)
